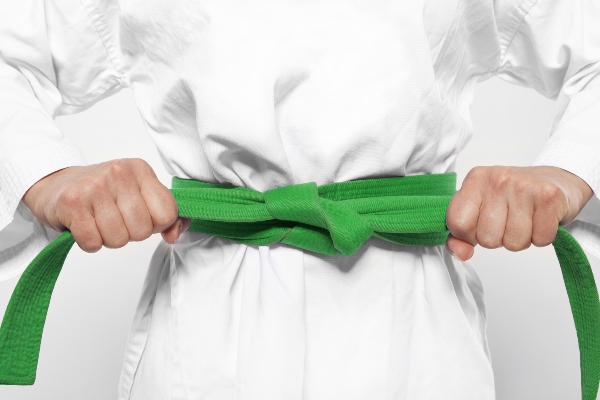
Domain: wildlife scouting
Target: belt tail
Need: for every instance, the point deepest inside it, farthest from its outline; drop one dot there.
(23, 323)
(585, 306)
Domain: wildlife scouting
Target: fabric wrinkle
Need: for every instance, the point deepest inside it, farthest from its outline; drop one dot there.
(261, 94)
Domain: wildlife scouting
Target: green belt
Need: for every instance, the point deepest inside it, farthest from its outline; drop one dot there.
(332, 219)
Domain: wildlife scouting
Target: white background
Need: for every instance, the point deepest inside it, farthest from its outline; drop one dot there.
(530, 328)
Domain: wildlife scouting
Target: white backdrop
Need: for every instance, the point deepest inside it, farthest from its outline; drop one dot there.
(530, 328)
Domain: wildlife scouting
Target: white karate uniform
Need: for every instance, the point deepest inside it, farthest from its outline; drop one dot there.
(265, 93)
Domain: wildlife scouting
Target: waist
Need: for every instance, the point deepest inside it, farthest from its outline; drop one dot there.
(332, 219)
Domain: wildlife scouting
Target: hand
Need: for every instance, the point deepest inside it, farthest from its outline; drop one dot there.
(108, 204)
(513, 207)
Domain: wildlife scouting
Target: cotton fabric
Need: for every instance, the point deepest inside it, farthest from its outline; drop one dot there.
(262, 94)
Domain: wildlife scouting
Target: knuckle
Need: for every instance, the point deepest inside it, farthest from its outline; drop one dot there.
(90, 247)
(140, 166)
(488, 242)
(166, 217)
(539, 241)
(118, 241)
(139, 163)
(84, 230)
(522, 186)
(72, 197)
(549, 192)
(478, 171)
(512, 245)
(118, 169)
(544, 237)
(93, 185)
(141, 233)
(90, 244)
(502, 177)
(458, 225)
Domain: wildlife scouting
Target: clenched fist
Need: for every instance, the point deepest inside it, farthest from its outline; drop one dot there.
(108, 204)
(513, 207)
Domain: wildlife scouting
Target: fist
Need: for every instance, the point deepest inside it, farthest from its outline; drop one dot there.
(107, 204)
(512, 207)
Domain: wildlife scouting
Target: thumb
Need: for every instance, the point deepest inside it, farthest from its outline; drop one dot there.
(172, 233)
(461, 250)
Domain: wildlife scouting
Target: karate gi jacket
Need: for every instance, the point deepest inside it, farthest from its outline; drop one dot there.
(269, 93)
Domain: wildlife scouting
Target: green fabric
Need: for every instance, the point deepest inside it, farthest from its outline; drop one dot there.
(333, 219)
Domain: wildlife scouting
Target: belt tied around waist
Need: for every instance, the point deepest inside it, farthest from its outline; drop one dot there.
(332, 219)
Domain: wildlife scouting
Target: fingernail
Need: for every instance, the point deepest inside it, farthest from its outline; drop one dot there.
(180, 227)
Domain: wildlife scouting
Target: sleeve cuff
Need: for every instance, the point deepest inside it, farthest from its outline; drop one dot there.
(573, 157)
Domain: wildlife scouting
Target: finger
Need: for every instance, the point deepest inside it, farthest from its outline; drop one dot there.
(110, 221)
(84, 230)
(492, 221)
(519, 223)
(162, 207)
(134, 211)
(545, 225)
(159, 200)
(462, 214)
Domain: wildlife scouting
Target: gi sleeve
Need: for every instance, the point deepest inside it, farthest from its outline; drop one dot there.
(553, 46)
(55, 58)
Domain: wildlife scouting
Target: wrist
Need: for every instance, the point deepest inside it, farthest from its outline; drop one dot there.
(583, 188)
(35, 191)
(577, 192)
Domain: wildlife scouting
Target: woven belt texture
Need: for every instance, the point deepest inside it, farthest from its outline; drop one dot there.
(333, 219)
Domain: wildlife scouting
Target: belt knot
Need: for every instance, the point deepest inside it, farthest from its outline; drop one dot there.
(301, 203)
